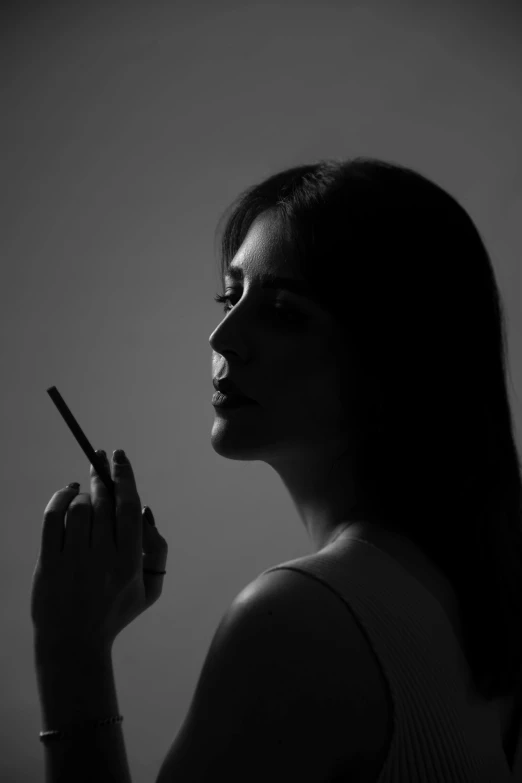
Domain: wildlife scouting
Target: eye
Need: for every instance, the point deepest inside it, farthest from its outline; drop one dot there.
(284, 313)
(221, 299)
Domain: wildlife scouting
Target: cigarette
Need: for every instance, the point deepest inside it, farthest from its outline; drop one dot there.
(84, 444)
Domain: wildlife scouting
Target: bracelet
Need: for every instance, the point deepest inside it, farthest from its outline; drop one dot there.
(46, 736)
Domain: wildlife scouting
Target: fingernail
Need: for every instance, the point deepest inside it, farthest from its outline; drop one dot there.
(101, 453)
(147, 513)
(74, 485)
(119, 456)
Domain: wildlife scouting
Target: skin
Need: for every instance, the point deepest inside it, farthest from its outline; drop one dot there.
(298, 426)
(291, 371)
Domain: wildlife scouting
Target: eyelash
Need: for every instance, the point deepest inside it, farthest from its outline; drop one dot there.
(283, 312)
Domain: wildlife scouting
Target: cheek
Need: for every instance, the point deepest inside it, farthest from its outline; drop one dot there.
(304, 371)
(311, 397)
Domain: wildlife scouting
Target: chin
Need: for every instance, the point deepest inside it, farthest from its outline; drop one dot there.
(236, 442)
(234, 450)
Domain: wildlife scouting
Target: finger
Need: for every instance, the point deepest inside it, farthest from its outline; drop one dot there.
(78, 520)
(53, 526)
(155, 552)
(99, 492)
(123, 476)
(155, 547)
(103, 504)
(128, 505)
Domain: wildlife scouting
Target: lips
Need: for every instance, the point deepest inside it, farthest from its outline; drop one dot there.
(228, 387)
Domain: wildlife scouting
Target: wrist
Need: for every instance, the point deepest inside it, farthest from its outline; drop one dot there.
(50, 651)
(75, 685)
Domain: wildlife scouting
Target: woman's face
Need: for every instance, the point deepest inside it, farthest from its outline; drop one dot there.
(278, 347)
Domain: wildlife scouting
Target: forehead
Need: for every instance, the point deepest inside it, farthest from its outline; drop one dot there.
(262, 258)
(262, 252)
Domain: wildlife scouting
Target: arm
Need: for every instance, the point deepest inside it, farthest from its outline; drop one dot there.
(76, 685)
(286, 693)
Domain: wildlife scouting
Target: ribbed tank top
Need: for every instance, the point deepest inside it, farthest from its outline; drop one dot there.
(444, 731)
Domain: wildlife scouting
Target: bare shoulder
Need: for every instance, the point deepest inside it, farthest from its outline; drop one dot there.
(344, 677)
(288, 684)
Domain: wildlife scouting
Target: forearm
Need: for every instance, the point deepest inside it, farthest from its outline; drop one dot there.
(76, 686)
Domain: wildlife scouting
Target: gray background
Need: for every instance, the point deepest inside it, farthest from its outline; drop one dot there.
(127, 129)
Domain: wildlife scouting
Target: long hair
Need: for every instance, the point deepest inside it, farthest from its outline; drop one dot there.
(404, 271)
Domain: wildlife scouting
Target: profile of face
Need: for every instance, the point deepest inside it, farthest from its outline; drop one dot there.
(279, 348)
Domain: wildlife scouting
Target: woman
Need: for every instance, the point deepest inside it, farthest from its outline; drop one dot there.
(381, 401)
(364, 325)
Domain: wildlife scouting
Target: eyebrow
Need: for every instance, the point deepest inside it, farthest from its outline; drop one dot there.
(274, 282)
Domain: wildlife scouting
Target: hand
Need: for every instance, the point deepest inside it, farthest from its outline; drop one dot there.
(88, 583)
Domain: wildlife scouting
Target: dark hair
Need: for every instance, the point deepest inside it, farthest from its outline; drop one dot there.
(412, 288)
